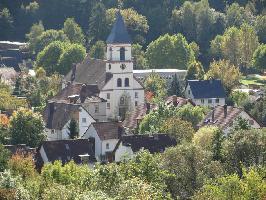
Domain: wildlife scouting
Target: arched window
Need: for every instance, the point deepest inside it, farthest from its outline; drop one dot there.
(126, 82)
(122, 53)
(119, 82)
(110, 51)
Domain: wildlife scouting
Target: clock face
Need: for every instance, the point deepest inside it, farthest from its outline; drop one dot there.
(123, 66)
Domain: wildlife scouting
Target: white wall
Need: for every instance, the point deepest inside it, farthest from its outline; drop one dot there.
(84, 126)
(116, 51)
(43, 155)
(123, 152)
(112, 143)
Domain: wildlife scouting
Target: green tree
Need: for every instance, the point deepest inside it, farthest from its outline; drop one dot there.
(250, 186)
(157, 85)
(241, 124)
(258, 111)
(6, 24)
(244, 148)
(216, 51)
(169, 52)
(239, 98)
(73, 31)
(35, 31)
(98, 50)
(48, 37)
(179, 129)
(74, 53)
(195, 71)
(4, 156)
(73, 129)
(260, 27)
(229, 74)
(26, 127)
(195, 48)
(175, 87)
(49, 57)
(259, 57)
(139, 59)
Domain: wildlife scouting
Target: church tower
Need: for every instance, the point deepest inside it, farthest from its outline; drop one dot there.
(122, 96)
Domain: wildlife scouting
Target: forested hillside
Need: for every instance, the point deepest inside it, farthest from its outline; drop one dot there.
(205, 26)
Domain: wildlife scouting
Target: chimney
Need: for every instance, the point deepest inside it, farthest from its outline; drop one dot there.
(120, 129)
(73, 75)
(225, 110)
(175, 101)
(148, 108)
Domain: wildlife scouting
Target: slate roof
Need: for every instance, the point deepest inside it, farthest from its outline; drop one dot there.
(57, 114)
(119, 34)
(155, 143)
(108, 130)
(90, 71)
(76, 89)
(221, 117)
(206, 89)
(66, 150)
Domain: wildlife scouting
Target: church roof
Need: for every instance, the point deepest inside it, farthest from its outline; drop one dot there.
(119, 32)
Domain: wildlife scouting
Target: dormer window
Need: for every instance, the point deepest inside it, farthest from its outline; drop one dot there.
(122, 54)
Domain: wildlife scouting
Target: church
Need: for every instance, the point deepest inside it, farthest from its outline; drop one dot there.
(116, 85)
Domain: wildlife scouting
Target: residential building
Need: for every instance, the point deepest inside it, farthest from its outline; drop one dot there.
(128, 145)
(57, 116)
(114, 76)
(79, 150)
(225, 116)
(205, 92)
(105, 136)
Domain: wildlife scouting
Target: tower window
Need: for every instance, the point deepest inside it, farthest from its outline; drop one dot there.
(109, 66)
(126, 82)
(119, 82)
(122, 53)
(110, 50)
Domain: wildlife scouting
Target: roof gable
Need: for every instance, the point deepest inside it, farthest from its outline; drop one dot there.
(207, 89)
(119, 34)
(108, 130)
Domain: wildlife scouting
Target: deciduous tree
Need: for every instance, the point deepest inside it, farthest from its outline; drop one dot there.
(73, 31)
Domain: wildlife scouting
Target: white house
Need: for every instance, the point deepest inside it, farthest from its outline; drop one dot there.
(128, 145)
(114, 76)
(57, 117)
(105, 135)
(205, 92)
(225, 116)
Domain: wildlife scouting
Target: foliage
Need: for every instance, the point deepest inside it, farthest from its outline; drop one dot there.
(4, 156)
(258, 111)
(6, 23)
(139, 59)
(244, 148)
(195, 71)
(35, 31)
(179, 129)
(169, 52)
(73, 31)
(251, 186)
(227, 73)
(98, 50)
(157, 85)
(259, 57)
(239, 98)
(73, 129)
(260, 27)
(26, 127)
(175, 88)
(241, 124)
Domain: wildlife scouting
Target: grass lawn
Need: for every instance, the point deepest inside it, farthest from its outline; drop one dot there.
(254, 80)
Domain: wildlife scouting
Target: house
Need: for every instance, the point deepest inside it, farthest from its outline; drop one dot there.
(105, 136)
(134, 118)
(205, 92)
(114, 76)
(57, 116)
(225, 116)
(79, 150)
(128, 145)
(85, 95)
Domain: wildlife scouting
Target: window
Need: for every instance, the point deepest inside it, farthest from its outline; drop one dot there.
(136, 103)
(126, 82)
(83, 120)
(122, 53)
(107, 146)
(136, 95)
(108, 95)
(119, 82)
(108, 105)
(216, 100)
(209, 100)
(202, 100)
(96, 107)
(52, 131)
(109, 66)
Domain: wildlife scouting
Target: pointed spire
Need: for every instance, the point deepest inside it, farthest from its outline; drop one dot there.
(119, 32)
